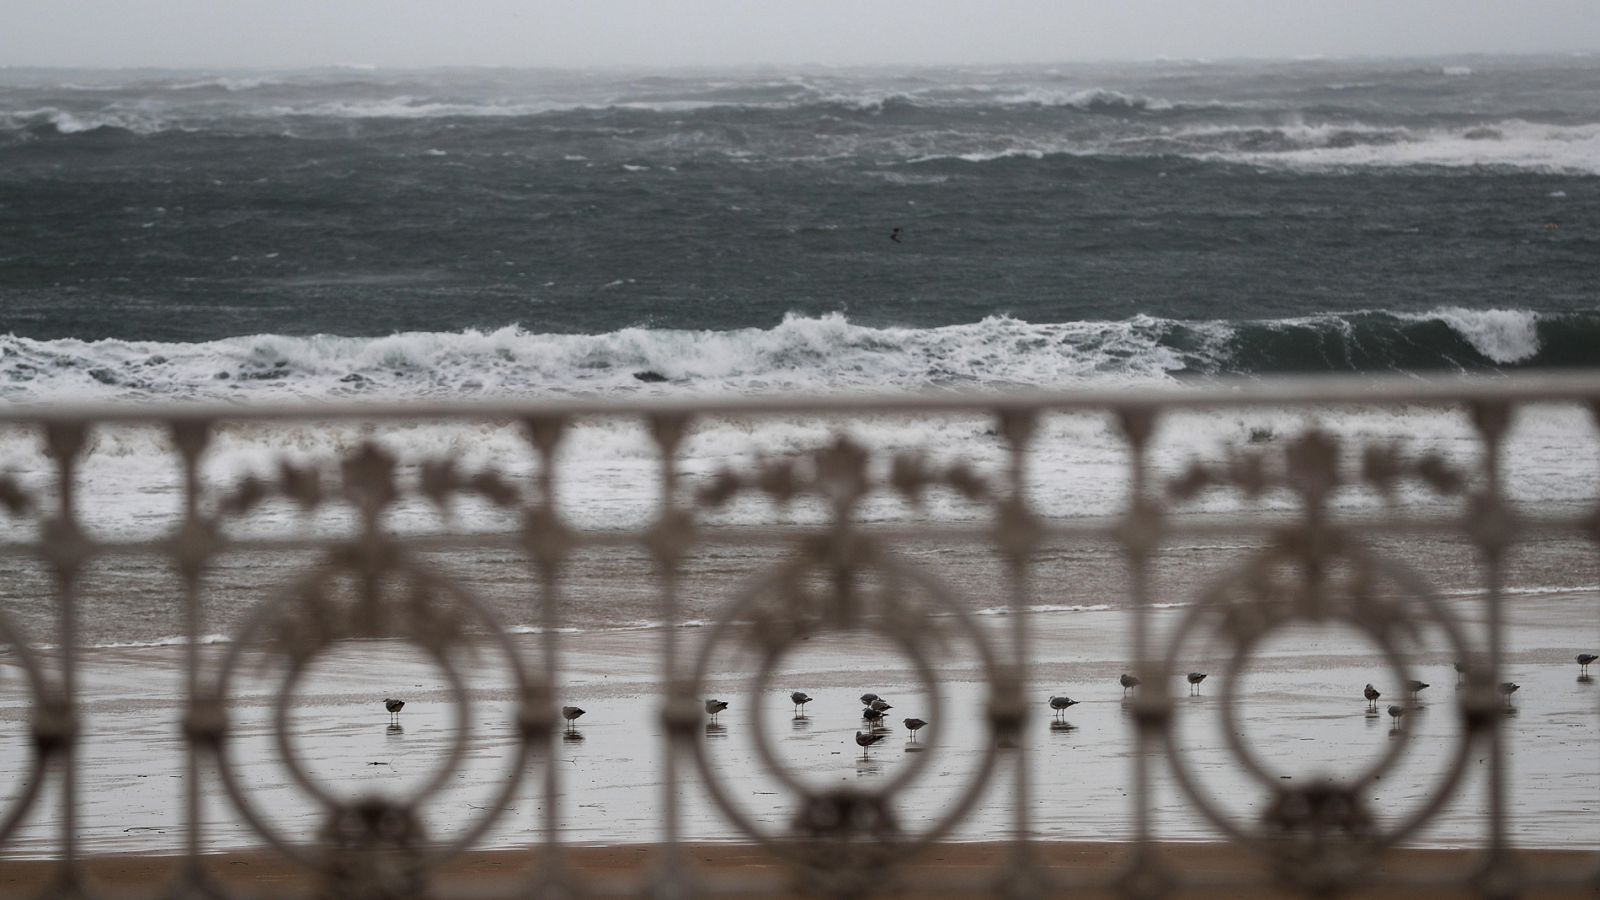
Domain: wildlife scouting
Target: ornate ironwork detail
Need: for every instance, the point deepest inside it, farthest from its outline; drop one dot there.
(1308, 565)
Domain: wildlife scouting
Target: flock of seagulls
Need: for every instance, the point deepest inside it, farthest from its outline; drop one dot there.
(1506, 688)
(875, 708)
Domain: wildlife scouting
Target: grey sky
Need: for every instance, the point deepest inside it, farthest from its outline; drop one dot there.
(216, 33)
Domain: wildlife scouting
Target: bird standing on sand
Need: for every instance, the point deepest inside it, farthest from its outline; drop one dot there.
(1583, 661)
(799, 699)
(872, 715)
(1507, 688)
(865, 739)
(1395, 712)
(914, 725)
(1372, 695)
(1414, 686)
(1060, 704)
(1128, 681)
(715, 706)
(1194, 681)
(866, 699)
(881, 705)
(394, 707)
(571, 714)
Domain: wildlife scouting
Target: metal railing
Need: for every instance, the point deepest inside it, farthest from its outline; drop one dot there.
(1310, 561)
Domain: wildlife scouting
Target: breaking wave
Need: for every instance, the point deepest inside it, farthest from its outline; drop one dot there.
(826, 353)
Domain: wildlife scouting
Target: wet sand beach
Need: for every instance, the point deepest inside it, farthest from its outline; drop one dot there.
(1299, 703)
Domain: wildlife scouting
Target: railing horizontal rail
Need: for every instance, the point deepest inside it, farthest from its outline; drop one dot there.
(1545, 387)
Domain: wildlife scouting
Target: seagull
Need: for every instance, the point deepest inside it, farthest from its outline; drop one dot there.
(799, 699)
(1372, 695)
(880, 705)
(1583, 661)
(1414, 686)
(865, 739)
(866, 699)
(1060, 704)
(872, 715)
(715, 706)
(913, 725)
(1395, 712)
(1194, 681)
(1508, 688)
(1460, 671)
(394, 707)
(571, 714)
(1128, 681)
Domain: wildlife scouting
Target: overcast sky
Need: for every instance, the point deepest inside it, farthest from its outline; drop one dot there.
(218, 33)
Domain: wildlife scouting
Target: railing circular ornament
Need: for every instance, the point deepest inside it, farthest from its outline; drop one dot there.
(840, 835)
(1321, 834)
(392, 597)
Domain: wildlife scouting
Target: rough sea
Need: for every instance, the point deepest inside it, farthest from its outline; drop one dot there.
(374, 233)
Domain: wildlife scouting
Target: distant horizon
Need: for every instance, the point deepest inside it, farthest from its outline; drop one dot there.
(754, 66)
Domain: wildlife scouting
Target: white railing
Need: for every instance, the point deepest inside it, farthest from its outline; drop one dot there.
(1311, 510)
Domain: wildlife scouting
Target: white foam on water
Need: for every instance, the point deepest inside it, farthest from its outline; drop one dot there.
(1295, 144)
(1511, 144)
(1503, 335)
(825, 353)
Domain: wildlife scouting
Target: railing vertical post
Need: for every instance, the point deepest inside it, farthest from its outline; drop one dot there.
(1018, 540)
(667, 544)
(66, 550)
(191, 550)
(1492, 532)
(550, 549)
(1138, 536)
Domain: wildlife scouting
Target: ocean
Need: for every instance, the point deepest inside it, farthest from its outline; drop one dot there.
(355, 233)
